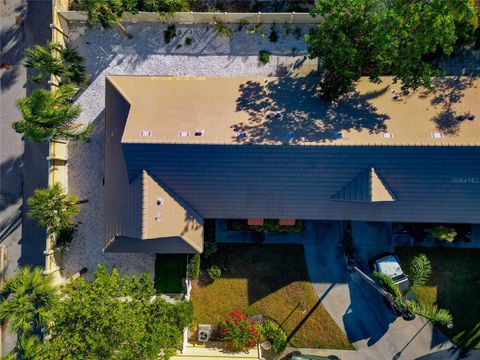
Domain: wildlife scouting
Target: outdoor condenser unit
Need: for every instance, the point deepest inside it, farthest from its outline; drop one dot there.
(204, 332)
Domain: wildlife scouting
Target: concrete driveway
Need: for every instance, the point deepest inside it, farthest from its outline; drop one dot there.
(356, 307)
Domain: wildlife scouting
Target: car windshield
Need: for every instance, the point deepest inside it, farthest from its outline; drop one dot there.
(399, 278)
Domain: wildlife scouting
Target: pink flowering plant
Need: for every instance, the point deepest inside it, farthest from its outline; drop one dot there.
(240, 333)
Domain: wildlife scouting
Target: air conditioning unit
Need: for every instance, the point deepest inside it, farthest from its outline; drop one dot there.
(204, 332)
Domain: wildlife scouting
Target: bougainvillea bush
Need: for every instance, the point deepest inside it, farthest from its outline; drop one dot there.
(239, 333)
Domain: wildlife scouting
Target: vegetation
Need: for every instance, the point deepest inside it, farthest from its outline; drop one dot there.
(188, 41)
(64, 63)
(107, 13)
(270, 225)
(453, 284)
(214, 272)
(269, 280)
(170, 33)
(65, 236)
(194, 267)
(420, 270)
(373, 38)
(53, 208)
(274, 333)
(115, 317)
(222, 29)
(273, 37)
(170, 271)
(165, 7)
(239, 333)
(27, 300)
(264, 56)
(443, 233)
(51, 115)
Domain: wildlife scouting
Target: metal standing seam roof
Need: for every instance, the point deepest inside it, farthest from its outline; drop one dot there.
(367, 186)
(366, 176)
(276, 111)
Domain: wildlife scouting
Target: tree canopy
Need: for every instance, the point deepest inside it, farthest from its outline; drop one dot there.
(115, 317)
(64, 63)
(53, 208)
(387, 37)
(51, 115)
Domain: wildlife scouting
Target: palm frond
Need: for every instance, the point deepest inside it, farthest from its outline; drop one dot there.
(389, 285)
(420, 269)
(432, 313)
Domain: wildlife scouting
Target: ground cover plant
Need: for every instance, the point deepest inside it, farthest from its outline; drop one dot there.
(453, 284)
(270, 280)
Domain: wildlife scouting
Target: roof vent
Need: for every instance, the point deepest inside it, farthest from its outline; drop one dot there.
(289, 135)
(199, 132)
(160, 201)
(158, 218)
(437, 135)
(145, 133)
(183, 133)
(386, 135)
(240, 135)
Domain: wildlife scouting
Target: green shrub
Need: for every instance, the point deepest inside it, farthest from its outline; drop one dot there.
(170, 33)
(274, 333)
(222, 29)
(166, 6)
(188, 41)
(214, 272)
(297, 32)
(443, 233)
(65, 236)
(264, 56)
(194, 267)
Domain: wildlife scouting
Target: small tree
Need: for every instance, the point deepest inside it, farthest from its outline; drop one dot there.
(106, 13)
(116, 317)
(420, 269)
(65, 64)
(51, 115)
(53, 208)
(441, 232)
(27, 300)
(240, 333)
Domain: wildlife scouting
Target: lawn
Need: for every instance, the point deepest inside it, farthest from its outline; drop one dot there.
(170, 270)
(270, 280)
(454, 285)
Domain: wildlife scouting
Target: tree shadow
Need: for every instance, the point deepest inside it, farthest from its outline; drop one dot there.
(446, 92)
(12, 48)
(292, 105)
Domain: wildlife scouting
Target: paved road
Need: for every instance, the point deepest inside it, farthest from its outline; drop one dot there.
(356, 307)
(22, 165)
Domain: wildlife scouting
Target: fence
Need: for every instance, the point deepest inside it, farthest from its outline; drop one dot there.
(205, 18)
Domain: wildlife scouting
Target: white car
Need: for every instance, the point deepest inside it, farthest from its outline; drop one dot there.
(390, 265)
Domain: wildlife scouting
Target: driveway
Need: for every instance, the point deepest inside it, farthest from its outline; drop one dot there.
(356, 307)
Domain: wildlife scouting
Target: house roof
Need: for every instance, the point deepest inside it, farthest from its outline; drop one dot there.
(267, 110)
(366, 186)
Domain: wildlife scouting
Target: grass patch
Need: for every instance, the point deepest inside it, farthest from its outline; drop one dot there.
(170, 272)
(454, 285)
(271, 280)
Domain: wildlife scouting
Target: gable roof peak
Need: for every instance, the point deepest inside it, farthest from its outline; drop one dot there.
(367, 186)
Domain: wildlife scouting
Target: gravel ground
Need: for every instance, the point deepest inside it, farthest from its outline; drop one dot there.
(109, 52)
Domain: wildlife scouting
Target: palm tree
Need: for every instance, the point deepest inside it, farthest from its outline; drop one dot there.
(53, 208)
(420, 269)
(51, 115)
(27, 300)
(27, 348)
(105, 12)
(65, 64)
